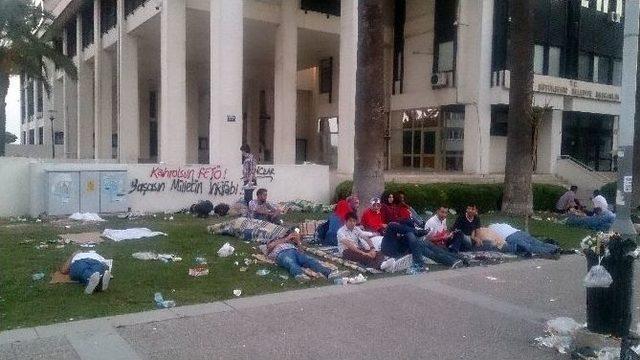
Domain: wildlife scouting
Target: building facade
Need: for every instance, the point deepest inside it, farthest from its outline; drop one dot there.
(189, 81)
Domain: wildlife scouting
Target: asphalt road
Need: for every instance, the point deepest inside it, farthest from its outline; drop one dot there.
(476, 313)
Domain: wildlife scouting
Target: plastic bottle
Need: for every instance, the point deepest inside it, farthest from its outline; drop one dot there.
(168, 304)
(157, 297)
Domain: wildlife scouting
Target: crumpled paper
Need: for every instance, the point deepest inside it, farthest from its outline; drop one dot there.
(226, 250)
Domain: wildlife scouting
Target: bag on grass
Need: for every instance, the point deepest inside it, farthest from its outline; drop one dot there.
(597, 277)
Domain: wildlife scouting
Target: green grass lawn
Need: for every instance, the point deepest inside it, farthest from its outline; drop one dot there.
(25, 302)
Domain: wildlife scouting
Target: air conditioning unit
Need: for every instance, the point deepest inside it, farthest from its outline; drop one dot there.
(615, 17)
(439, 80)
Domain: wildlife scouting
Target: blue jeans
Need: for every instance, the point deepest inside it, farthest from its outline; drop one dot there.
(596, 222)
(398, 245)
(521, 242)
(293, 260)
(331, 238)
(461, 242)
(81, 270)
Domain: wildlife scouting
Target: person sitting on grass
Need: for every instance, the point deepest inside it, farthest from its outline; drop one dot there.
(355, 244)
(437, 225)
(285, 252)
(568, 200)
(398, 216)
(372, 219)
(261, 209)
(336, 219)
(522, 243)
(601, 220)
(89, 269)
(464, 229)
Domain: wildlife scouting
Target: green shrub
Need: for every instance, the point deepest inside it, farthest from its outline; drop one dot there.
(609, 192)
(488, 197)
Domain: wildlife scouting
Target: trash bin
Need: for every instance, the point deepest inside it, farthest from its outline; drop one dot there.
(609, 309)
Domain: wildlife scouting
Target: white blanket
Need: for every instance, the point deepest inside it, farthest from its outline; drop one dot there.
(130, 234)
(86, 217)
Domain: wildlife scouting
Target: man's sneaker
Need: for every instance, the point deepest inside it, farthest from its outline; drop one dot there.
(302, 278)
(338, 274)
(105, 280)
(457, 264)
(416, 269)
(402, 264)
(388, 265)
(92, 283)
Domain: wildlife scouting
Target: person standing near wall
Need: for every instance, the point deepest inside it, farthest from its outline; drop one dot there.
(248, 173)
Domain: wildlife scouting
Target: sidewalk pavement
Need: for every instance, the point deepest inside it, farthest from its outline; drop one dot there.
(490, 312)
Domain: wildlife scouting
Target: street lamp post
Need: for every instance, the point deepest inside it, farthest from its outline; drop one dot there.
(52, 117)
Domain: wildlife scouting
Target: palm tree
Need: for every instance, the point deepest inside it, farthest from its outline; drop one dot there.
(518, 196)
(25, 47)
(368, 176)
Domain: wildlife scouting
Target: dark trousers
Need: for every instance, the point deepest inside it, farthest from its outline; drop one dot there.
(399, 245)
(375, 263)
(248, 196)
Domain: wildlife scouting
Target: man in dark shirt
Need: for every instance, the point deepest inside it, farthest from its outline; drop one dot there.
(464, 230)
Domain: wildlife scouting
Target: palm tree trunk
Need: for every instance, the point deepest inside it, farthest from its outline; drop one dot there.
(368, 175)
(4, 89)
(518, 197)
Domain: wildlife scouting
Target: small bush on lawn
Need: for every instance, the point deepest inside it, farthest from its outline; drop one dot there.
(488, 197)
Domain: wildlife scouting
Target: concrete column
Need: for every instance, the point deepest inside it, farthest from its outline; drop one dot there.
(347, 91)
(173, 82)
(85, 99)
(128, 110)
(225, 122)
(101, 90)
(474, 82)
(285, 94)
(69, 110)
(58, 105)
(549, 142)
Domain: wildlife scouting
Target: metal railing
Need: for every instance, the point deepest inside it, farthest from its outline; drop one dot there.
(577, 162)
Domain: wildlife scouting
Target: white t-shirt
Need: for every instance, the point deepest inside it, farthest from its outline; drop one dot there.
(600, 202)
(504, 230)
(435, 225)
(88, 255)
(354, 236)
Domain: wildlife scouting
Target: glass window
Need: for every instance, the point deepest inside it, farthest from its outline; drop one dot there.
(554, 61)
(40, 135)
(616, 78)
(406, 142)
(604, 70)
(602, 5)
(596, 68)
(584, 67)
(585, 3)
(429, 143)
(619, 8)
(445, 56)
(538, 59)
(31, 137)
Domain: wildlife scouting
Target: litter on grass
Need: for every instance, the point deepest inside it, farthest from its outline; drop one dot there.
(200, 270)
(201, 261)
(161, 303)
(226, 250)
(359, 279)
(130, 234)
(262, 272)
(148, 255)
(37, 276)
(85, 217)
(237, 292)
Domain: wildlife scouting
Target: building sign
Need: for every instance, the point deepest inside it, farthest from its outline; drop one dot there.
(231, 118)
(627, 184)
(576, 89)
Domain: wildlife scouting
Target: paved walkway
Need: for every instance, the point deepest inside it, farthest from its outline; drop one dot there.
(477, 313)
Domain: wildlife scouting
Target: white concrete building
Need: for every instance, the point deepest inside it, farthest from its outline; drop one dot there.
(188, 81)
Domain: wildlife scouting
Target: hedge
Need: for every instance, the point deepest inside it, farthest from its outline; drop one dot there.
(488, 197)
(609, 192)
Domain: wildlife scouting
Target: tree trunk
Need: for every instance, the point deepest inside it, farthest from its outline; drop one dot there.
(518, 196)
(4, 89)
(368, 175)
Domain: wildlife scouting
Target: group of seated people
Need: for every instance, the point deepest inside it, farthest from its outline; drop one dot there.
(390, 235)
(600, 218)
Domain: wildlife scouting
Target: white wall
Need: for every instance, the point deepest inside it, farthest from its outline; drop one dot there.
(23, 186)
(498, 151)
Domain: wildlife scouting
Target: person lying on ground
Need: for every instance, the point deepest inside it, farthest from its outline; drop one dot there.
(336, 219)
(465, 227)
(89, 269)
(355, 244)
(437, 226)
(261, 209)
(601, 220)
(397, 243)
(285, 252)
(522, 243)
(568, 200)
(372, 217)
(491, 240)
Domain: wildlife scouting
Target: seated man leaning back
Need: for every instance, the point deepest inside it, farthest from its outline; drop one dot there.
(286, 253)
(261, 209)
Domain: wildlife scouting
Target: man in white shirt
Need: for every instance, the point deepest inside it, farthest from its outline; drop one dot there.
(89, 269)
(351, 247)
(599, 201)
(437, 226)
(518, 241)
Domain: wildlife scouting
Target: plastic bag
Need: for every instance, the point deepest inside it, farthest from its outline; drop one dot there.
(597, 277)
(226, 250)
(563, 326)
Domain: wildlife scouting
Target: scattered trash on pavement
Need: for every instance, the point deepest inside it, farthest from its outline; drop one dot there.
(359, 279)
(226, 250)
(237, 292)
(560, 332)
(491, 278)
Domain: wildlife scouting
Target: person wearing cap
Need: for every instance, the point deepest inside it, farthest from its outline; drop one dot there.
(372, 219)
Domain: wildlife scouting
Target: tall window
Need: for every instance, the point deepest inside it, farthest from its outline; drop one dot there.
(445, 56)
(538, 59)
(553, 68)
(31, 137)
(40, 135)
(584, 67)
(602, 5)
(616, 78)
